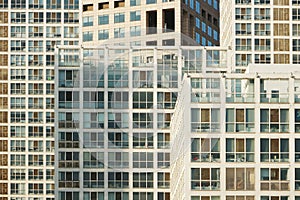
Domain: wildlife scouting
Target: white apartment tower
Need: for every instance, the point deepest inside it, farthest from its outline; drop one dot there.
(261, 31)
(236, 137)
(29, 31)
(115, 95)
(236, 133)
(113, 118)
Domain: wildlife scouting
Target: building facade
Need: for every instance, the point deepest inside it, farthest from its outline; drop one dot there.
(235, 137)
(114, 104)
(261, 31)
(151, 22)
(114, 107)
(29, 31)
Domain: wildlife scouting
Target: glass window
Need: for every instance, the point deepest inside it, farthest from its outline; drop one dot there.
(163, 140)
(142, 160)
(205, 150)
(216, 35)
(142, 180)
(119, 17)
(274, 179)
(205, 120)
(243, 44)
(88, 21)
(262, 29)
(261, 2)
(135, 2)
(243, 13)
(274, 120)
(68, 159)
(239, 150)
(93, 179)
(103, 19)
(281, 13)
(296, 29)
(142, 99)
(262, 58)
(118, 180)
(198, 8)
(205, 179)
(143, 79)
(119, 32)
(142, 120)
(135, 15)
(93, 140)
(243, 29)
(240, 179)
(68, 140)
(93, 195)
(142, 140)
(118, 74)
(93, 120)
(164, 120)
(262, 14)
(166, 100)
(135, 31)
(274, 150)
(203, 25)
(198, 23)
(192, 4)
(93, 99)
(87, 36)
(150, 1)
(68, 195)
(117, 100)
(143, 195)
(68, 180)
(71, 4)
(262, 44)
(117, 120)
(239, 120)
(118, 140)
(103, 34)
(163, 160)
(118, 160)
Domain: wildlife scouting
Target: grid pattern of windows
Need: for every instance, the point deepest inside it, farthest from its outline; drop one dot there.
(204, 147)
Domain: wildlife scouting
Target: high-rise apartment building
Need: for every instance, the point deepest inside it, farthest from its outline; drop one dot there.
(261, 31)
(116, 94)
(29, 31)
(236, 136)
(151, 22)
(114, 107)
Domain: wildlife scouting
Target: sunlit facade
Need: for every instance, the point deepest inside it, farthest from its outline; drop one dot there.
(261, 32)
(114, 108)
(29, 31)
(236, 137)
(151, 22)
